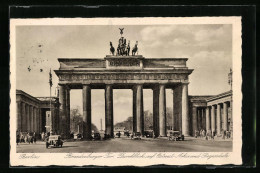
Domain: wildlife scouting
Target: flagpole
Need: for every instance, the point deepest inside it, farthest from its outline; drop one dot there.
(50, 81)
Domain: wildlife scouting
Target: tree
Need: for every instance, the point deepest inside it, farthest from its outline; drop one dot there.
(148, 120)
(76, 119)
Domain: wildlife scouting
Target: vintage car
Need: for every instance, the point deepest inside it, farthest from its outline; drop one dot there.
(117, 135)
(54, 140)
(96, 136)
(136, 135)
(148, 134)
(107, 136)
(175, 136)
(78, 136)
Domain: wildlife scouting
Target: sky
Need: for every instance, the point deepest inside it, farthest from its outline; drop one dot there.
(208, 48)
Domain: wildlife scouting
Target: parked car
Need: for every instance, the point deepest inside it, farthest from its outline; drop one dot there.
(78, 136)
(96, 136)
(148, 134)
(54, 140)
(107, 136)
(136, 135)
(118, 134)
(126, 133)
(175, 136)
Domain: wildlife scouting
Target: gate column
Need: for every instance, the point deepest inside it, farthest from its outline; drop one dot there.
(185, 110)
(225, 116)
(67, 112)
(134, 108)
(62, 112)
(218, 119)
(207, 120)
(213, 119)
(194, 120)
(139, 109)
(156, 111)
(162, 110)
(109, 129)
(86, 111)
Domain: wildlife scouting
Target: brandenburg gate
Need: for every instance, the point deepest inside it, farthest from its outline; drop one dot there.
(126, 72)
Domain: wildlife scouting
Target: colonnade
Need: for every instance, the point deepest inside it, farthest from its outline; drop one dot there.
(180, 96)
(28, 117)
(213, 118)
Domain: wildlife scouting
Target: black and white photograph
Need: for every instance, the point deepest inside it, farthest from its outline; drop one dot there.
(132, 91)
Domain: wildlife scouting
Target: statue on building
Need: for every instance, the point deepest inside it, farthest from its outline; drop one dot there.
(121, 31)
(135, 49)
(122, 48)
(112, 49)
(128, 48)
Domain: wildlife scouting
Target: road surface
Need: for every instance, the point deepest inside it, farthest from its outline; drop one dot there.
(128, 145)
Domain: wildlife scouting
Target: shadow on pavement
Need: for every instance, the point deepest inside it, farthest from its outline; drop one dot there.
(62, 147)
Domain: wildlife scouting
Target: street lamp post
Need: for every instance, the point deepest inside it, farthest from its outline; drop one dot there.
(230, 82)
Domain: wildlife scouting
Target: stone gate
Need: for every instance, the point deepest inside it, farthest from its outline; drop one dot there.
(126, 72)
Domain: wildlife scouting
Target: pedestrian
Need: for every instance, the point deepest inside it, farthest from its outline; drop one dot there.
(28, 138)
(42, 136)
(34, 137)
(223, 134)
(17, 139)
(213, 134)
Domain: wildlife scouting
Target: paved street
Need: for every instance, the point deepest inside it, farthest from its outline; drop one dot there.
(128, 145)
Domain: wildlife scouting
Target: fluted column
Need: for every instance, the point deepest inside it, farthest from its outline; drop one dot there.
(67, 113)
(177, 106)
(199, 118)
(185, 111)
(35, 120)
(19, 116)
(204, 119)
(134, 108)
(156, 111)
(31, 118)
(62, 111)
(24, 124)
(139, 109)
(213, 119)
(162, 110)
(86, 111)
(194, 120)
(40, 120)
(27, 110)
(218, 119)
(109, 120)
(225, 116)
(207, 120)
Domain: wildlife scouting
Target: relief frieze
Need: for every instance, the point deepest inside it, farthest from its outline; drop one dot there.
(79, 77)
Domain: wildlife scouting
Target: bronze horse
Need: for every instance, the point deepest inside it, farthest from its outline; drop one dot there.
(135, 49)
(112, 49)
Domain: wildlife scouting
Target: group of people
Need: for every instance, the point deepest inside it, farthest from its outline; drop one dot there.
(30, 137)
(201, 133)
(211, 134)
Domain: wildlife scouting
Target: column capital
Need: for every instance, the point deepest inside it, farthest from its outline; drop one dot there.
(185, 83)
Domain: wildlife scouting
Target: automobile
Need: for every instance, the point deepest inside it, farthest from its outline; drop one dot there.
(126, 133)
(148, 134)
(78, 136)
(136, 135)
(107, 136)
(118, 134)
(96, 136)
(175, 136)
(54, 140)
